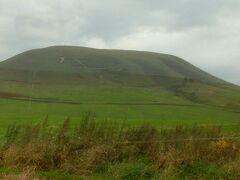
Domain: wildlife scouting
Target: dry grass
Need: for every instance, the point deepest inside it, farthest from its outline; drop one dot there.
(93, 144)
(26, 175)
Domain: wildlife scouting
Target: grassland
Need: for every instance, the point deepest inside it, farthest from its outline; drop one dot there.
(69, 59)
(193, 103)
(164, 112)
(24, 103)
(136, 88)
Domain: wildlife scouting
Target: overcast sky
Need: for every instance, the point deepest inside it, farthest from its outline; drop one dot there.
(204, 32)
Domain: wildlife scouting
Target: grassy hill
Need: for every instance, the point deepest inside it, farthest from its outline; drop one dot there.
(66, 81)
(111, 65)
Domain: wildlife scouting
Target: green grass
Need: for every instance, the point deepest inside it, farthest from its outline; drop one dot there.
(135, 105)
(92, 61)
(101, 94)
(22, 112)
(201, 170)
(135, 169)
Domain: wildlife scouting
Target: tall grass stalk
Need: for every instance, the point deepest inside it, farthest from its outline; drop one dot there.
(84, 148)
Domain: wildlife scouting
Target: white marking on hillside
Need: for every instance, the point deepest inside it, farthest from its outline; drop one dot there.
(80, 63)
(62, 59)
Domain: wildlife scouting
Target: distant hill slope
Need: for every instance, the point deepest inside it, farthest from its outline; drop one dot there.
(79, 75)
(110, 65)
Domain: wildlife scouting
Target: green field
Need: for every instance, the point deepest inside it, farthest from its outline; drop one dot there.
(133, 105)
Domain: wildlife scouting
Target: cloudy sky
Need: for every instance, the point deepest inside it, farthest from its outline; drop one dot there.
(204, 32)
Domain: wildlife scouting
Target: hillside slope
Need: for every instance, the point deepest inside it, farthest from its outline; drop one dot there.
(111, 65)
(141, 86)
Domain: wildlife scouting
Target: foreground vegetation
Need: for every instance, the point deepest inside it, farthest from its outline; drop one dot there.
(106, 150)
